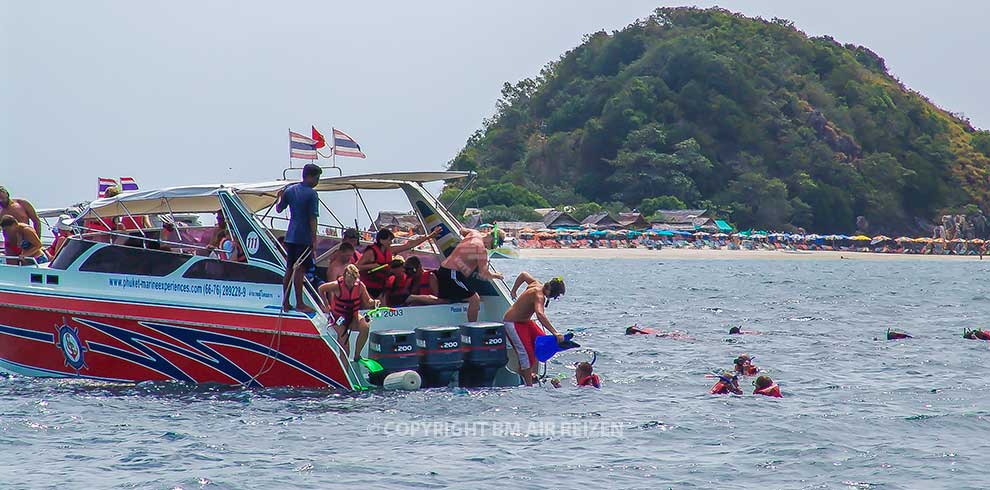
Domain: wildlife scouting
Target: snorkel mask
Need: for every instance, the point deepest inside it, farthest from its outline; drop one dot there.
(555, 288)
(496, 242)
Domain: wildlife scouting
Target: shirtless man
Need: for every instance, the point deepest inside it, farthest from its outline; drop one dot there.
(469, 258)
(339, 261)
(23, 212)
(519, 325)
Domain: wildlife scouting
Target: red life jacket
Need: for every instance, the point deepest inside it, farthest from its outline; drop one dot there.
(397, 289)
(590, 381)
(981, 334)
(95, 225)
(749, 370)
(722, 388)
(772, 390)
(346, 303)
(355, 257)
(423, 287)
(636, 329)
(132, 223)
(377, 279)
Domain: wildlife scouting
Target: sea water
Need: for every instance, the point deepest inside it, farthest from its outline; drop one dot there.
(857, 412)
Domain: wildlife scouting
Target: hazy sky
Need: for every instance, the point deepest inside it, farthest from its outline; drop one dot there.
(185, 92)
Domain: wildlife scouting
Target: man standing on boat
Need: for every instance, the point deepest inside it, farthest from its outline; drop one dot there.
(470, 258)
(300, 237)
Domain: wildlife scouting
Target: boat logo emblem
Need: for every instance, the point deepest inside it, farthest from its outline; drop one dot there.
(253, 241)
(68, 341)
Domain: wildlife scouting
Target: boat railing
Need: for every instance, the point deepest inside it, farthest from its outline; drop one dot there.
(5, 258)
(92, 234)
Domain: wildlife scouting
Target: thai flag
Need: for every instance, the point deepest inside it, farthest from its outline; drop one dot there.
(128, 184)
(103, 184)
(301, 147)
(345, 146)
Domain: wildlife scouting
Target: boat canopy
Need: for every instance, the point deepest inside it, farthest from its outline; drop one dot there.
(384, 181)
(185, 199)
(256, 197)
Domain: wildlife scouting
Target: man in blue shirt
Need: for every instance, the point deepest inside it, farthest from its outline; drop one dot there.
(300, 238)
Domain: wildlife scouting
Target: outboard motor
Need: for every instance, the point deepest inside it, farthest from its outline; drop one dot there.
(484, 353)
(395, 350)
(440, 356)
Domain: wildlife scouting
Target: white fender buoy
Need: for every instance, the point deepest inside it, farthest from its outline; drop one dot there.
(403, 380)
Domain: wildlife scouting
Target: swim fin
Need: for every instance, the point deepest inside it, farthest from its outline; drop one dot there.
(547, 346)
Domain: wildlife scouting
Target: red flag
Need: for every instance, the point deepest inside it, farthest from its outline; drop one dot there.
(320, 141)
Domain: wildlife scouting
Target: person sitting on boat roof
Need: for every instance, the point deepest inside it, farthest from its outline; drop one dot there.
(377, 257)
(469, 258)
(20, 209)
(300, 237)
(28, 243)
(346, 297)
(520, 328)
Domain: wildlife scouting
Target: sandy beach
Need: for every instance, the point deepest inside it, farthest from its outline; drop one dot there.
(708, 254)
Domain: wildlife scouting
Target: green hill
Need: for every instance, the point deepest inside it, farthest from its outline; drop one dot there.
(749, 116)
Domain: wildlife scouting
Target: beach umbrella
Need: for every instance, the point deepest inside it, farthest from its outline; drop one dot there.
(903, 239)
(976, 240)
(859, 238)
(881, 238)
(700, 234)
(957, 240)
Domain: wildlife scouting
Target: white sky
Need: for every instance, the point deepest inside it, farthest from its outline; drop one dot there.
(186, 92)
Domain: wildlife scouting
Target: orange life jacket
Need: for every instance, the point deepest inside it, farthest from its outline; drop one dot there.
(591, 380)
(376, 280)
(772, 390)
(346, 303)
(722, 388)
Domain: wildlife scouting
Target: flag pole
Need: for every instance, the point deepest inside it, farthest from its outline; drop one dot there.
(290, 147)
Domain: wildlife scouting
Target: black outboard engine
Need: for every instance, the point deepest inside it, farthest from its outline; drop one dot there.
(395, 350)
(440, 356)
(485, 353)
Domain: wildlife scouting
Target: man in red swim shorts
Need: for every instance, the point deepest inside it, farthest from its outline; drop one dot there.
(519, 325)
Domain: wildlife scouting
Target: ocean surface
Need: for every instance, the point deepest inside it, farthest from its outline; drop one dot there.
(856, 413)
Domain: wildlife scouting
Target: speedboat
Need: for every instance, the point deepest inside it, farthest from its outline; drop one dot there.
(154, 305)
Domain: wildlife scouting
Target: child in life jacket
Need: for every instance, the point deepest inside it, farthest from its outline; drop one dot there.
(744, 365)
(727, 383)
(583, 376)
(766, 387)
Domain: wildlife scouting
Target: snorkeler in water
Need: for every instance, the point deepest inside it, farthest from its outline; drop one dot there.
(766, 387)
(727, 383)
(744, 365)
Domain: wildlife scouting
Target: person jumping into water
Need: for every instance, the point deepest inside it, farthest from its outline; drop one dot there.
(519, 325)
(469, 258)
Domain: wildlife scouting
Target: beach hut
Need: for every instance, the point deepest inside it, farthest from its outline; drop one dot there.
(600, 220)
(558, 219)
